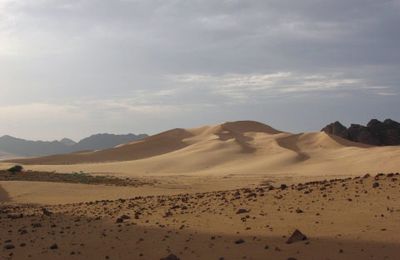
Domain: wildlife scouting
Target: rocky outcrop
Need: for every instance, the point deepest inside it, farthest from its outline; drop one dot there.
(336, 128)
(374, 133)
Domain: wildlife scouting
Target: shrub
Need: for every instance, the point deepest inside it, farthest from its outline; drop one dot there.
(16, 169)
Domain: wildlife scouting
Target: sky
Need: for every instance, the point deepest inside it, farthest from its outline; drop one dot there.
(71, 68)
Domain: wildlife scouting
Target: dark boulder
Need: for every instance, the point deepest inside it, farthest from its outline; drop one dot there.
(296, 237)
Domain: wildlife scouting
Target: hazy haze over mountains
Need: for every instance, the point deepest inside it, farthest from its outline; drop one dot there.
(16, 147)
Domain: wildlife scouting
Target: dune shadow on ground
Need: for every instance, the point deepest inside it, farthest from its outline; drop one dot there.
(103, 238)
(4, 196)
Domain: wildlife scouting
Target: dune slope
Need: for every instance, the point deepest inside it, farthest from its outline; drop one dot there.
(242, 147)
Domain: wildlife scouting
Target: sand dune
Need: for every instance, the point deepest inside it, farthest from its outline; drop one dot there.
(232, 191)
(230, 148)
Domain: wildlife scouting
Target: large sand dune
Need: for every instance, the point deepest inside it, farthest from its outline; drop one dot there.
(231, 191)
(243, 147)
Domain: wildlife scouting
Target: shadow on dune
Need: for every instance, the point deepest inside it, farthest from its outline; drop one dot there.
(4, 196)
(290, 143)
(237, 130)
(162, 143)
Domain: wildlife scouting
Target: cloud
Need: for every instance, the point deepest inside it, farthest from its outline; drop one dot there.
(387, 93)
(138, 59)
(38, 111)
(257, 87)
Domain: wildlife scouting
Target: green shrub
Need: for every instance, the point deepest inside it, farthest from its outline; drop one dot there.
(16, 169)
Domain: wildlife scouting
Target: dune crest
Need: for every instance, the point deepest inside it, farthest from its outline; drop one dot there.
(233, 147)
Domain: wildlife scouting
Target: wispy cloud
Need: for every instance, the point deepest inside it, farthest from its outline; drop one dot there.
(387, 93)
(244, 87)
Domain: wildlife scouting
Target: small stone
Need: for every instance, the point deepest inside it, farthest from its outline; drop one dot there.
(9, 246)
(239, 241)
(122, 218)
(241, 211)
(299, 211)
(54, 246)
(46, 212)
(170, 257)
(296, 237)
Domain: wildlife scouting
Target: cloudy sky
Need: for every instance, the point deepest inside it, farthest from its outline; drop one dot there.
(76, 67)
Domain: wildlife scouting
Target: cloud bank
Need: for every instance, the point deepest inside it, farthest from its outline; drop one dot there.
(148, 65)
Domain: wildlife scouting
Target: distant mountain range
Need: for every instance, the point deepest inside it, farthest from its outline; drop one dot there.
(15, 147)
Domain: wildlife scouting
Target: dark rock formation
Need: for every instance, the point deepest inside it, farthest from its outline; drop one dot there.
(336, 128)
(361, 134)
(375, 133)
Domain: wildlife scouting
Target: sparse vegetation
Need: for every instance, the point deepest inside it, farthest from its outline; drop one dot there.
(16, 169)
(76, 177)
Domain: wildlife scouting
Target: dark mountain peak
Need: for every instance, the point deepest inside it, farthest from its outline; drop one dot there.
(375, 133)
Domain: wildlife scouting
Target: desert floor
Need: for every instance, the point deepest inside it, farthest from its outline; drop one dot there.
(230, 217)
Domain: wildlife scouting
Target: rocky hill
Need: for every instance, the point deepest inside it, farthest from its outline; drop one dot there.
(374, 133)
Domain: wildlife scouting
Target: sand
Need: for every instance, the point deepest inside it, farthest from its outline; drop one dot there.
(243, 147)
(211, 198)
(342, 219)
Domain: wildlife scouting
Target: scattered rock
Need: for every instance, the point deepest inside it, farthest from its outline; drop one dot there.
(296, 237)
(122, 218)
(9, 246)
(299, 211)
(46, 212)
(241, 211)
(170, 257)
(15, 216)
(54, 246)
(239, 241)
